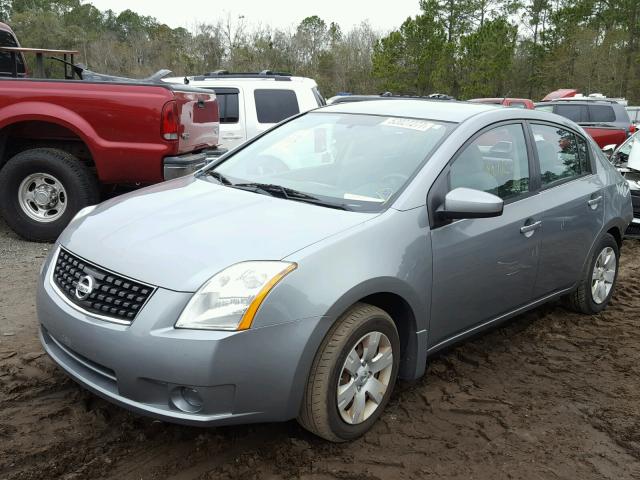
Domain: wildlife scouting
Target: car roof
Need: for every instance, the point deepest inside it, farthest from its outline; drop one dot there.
(443, 110)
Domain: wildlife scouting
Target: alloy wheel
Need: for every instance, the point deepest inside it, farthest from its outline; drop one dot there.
(603, 275)
(364, 378)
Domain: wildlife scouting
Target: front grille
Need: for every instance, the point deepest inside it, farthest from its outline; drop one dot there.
(111, 295)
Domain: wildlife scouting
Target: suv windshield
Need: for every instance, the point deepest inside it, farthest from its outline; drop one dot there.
(357, 162)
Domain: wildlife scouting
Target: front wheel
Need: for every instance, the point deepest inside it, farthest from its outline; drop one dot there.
(596, 287)
(41, 189)
(352, 376)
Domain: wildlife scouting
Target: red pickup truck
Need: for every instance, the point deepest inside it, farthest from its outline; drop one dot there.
(64, 142)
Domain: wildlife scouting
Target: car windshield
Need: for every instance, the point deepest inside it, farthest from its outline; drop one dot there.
(350, 161)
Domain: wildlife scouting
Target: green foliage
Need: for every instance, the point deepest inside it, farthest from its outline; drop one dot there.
(473, 48)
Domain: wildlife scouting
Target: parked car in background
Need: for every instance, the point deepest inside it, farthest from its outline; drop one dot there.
(507, 102)
(634, 115)
(303, 272)
(64, 142)
(606, 121)
(627, 159)
(251, 103)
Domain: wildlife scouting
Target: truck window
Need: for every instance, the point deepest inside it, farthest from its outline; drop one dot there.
(273, 106)
(601, 113)
(228, 104)
(7, 40)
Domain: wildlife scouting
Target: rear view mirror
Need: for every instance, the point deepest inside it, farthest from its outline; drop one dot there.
(470, 203)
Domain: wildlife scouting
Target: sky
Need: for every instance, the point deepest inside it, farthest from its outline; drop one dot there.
(275, 13)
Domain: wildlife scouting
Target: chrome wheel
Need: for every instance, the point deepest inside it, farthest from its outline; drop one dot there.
(364, 378)
(42, 197)
(604, 273)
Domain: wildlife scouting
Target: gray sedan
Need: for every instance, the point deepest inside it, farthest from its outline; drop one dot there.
(301, 274)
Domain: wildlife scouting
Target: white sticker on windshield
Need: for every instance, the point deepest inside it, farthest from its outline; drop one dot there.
(411, 123)
(362, 198)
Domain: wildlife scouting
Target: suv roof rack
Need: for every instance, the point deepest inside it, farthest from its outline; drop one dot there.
(281, 76)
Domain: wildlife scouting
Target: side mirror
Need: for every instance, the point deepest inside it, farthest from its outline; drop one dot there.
(470, 203)
(609, 149)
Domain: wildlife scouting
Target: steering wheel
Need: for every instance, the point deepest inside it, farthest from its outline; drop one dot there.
(267, 165)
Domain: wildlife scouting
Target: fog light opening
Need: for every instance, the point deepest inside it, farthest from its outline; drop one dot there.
(187, 399)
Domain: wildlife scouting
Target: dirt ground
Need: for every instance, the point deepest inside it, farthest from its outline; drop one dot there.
(551, 395)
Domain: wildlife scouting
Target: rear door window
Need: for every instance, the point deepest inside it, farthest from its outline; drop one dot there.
(577, 113)
(601, 113)
(273, 106)
(562, 155)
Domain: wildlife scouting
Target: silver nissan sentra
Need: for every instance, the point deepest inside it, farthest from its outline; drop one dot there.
(301, 274)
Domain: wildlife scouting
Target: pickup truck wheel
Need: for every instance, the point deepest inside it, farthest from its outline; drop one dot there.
(352, 376)
(42, 189)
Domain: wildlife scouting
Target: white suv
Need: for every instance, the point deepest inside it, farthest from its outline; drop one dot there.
(250, 103)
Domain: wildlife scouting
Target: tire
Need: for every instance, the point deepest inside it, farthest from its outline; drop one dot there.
(67, 184)
(320, 412)
(582, 299)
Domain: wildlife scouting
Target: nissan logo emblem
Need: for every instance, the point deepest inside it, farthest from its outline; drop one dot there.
(84, 287)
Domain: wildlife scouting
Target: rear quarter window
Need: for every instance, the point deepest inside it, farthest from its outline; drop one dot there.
(601, 113)
(273, 106)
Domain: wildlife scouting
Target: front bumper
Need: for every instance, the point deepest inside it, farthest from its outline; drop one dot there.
(256, 375)
(174, 167)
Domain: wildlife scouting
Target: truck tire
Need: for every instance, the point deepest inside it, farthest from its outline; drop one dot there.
(352, 376)
(41, 190)
(599, 280)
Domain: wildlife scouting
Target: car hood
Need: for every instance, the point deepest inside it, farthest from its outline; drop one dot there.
(178, 234)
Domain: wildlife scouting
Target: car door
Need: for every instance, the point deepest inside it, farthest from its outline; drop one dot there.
(485, 267)
(232, 118)
(573, 197)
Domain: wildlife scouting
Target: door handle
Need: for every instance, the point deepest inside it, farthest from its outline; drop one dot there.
(232, 137)
(531, 227)
(593, 203)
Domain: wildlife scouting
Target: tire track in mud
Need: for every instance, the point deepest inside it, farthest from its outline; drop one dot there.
(552, 394)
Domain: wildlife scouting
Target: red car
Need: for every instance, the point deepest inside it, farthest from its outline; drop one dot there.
(63, 141)
(507, 102)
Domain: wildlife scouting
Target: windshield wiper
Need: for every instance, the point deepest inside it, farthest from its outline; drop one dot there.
(288, 193)
(218, 176)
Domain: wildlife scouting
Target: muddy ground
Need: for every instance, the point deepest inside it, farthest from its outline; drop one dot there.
(551, 395)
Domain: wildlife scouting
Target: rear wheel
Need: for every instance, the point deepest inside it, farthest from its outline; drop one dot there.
(42, 189)
(352, 376)
(598, 282)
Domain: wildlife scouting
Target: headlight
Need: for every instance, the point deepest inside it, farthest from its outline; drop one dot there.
(84, 212)
(230, 299)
